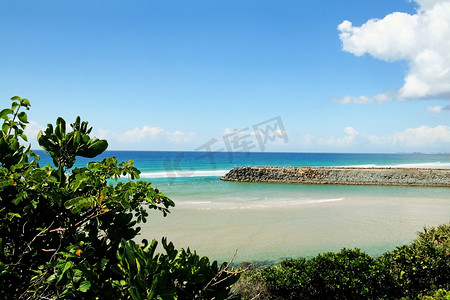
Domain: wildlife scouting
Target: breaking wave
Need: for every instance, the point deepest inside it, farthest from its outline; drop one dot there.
(235, 205)
(428, 165)
(183, 173)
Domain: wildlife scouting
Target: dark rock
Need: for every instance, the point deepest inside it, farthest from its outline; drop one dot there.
(325, 175)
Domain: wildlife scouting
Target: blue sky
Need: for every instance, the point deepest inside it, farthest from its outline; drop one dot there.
(343, 76)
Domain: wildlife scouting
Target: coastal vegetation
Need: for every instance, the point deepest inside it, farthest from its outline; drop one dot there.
(69, 232)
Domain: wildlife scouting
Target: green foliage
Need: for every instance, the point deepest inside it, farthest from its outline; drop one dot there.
(14, 123)
(67, 232)
(64, 147)
(422, 266)
(252, 285)
(440, 294)
(177, 273)
(408, 272)
(438, 236)
(347, 274)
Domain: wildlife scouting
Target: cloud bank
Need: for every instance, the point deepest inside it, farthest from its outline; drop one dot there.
(423, 138)
(145, 134)
(421, 39)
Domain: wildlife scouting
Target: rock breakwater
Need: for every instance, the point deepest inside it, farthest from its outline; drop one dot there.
(335, 175)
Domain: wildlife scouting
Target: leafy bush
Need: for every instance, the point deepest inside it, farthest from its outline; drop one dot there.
(348, 274)
(423, 266)
(440, 294)
(251, 285)
(409, 272)
(178, 273)
(67, 232)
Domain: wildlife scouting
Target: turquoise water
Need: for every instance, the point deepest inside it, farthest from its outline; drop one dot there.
(162, 163)
(274, 221)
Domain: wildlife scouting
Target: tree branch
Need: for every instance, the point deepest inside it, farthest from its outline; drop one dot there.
(225, 270)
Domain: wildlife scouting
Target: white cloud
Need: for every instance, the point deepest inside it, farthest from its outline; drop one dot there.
(145, 134)
(426, 4)
(379, 99)
(121, 140)
(411, 139)
(434, 109)
(179, 136)
(351, 131)
(31, 131)
(422, 39)
(423, 136)
(438, 109)
(103, 133)
(353, 100)
(138, 134)
(340, 142)
(231, 131)
(346, 141)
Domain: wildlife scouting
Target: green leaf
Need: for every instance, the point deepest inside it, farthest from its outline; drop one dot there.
(78, 203)
(23, 117)
(84, 286)
(16, 98)
(6, 182)
(66, 267)
(52, 278)
(5, 128)
(13, 215)
(5, 112)
(94, 148)
(14, 105)
(70, 203)
(77, 274)
(60, 129)
(26, 102)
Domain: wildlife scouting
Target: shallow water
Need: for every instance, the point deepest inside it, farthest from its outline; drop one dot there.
(269, 222)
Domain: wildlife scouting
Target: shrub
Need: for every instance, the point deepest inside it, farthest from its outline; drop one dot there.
(423, 266)
(251, 285)
(67, 232)
(408, 272)
(440, 294)
(348, 274)
(286, 281)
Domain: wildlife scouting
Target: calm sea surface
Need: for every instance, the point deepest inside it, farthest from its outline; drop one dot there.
(269, 222)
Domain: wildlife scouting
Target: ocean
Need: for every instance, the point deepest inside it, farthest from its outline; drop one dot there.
(270, 222)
